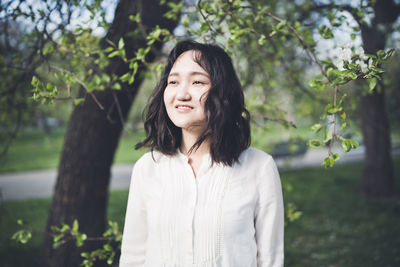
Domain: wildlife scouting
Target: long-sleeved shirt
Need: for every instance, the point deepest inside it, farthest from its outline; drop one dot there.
(224, 217)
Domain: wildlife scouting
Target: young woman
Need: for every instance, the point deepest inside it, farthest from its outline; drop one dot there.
(202, 197)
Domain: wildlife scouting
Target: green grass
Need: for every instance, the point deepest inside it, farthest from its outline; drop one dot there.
(126, 152)
(34, 150)
(34, 213)
(339, 227)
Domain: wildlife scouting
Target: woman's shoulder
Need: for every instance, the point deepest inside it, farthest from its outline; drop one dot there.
(151, 160)
(261, 166)
(148, 160)
(255, 156)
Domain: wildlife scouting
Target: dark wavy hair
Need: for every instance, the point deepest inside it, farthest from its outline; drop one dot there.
(228, 127)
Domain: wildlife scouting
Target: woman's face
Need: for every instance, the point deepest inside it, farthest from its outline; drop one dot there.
(186, 92)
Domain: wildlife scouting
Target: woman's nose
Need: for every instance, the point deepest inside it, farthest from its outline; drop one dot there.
(183, 92)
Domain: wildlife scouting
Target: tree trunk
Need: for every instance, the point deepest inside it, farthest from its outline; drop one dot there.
(378, 177)
(92, 137)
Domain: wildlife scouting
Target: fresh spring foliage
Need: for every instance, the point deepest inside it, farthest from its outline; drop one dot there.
(112, 237)
(112, 241)
(232, 23)
(22, 236)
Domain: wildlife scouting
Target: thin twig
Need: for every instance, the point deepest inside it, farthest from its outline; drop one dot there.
(121, 117)
(82, 84)
(206, 20)
(308, 49)
(334, 120)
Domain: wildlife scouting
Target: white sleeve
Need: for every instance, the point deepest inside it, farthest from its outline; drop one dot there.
(133, 248)
(269, 217)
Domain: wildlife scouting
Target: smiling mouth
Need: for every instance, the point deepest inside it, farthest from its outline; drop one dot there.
(183, 107)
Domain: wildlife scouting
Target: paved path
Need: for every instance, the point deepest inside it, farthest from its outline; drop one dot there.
(40, 184)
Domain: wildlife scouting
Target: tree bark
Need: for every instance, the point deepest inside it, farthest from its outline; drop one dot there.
(378, 177)
(92, 137)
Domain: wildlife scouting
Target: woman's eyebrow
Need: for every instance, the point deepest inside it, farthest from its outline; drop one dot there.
(191, 74)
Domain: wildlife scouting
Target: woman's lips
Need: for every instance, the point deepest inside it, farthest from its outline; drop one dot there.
(183, 107)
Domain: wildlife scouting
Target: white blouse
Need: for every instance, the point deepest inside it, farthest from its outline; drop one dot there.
(224, 217)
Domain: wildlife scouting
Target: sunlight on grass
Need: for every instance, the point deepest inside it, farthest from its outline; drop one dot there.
(36, 151)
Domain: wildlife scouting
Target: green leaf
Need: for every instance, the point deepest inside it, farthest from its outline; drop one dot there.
(77, 101)
(57, 238)
(348, 144)
(295, 216)
(185, 21)
(316, 127)
(135, 67)
(328, 135)
(317, 84)
(80, 238)
(48, 49)
(75, 225)
(334, 110)
(389, 54)
(131, 79)
(342, 98)
(135, 18)
(335, 156)
(328, 162)
(261, 40)
(381, 54)
(281, 24)
(325, 32)
(113, 54)
(121, 44)
(352, 74)
(372, 83)
(333, 73)
(116, 86)
(125, 77)
(87, 263)
(64, 228)
(105, 78)
(96, 79)
(314, 143)
(35, 81)
(108, 49)
(107, 247)
(85, 255)
(111, 258)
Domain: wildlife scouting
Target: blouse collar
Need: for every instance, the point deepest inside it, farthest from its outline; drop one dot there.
(206, 160)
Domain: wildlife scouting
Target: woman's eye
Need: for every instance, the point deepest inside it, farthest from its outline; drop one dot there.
(172, 82)
(198, 82)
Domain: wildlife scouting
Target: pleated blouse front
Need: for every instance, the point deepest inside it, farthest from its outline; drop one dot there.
(224, 217)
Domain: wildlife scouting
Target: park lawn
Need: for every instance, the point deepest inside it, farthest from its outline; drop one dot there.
(339, 227)
(34, 150)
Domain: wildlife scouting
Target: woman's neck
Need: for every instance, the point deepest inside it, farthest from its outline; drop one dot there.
(189, 139)
(196, 155)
